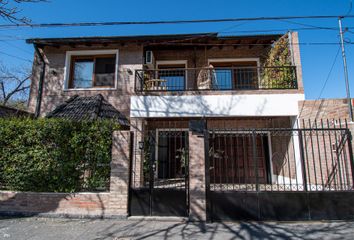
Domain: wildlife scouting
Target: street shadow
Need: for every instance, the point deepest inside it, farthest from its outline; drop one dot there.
(223, 230)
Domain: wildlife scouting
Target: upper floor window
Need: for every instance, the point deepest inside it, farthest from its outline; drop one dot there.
(91, 69)
(236, 74)
(173, 73)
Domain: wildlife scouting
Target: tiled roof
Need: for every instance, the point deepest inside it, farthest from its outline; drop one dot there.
(88, 108)
(6, 111)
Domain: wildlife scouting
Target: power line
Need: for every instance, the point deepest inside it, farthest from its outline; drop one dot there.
(90, 24)
(245, 44)
(350, 8)
(19, 48)
(202, 36)
(282, 30)
(11, 37)
(329, 73)
(16, 38)
(179, 42)
(325, 82)
(13, 56)
(309, 25)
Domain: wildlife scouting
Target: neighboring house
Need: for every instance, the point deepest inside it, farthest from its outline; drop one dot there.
(238, 92)
(7, 112)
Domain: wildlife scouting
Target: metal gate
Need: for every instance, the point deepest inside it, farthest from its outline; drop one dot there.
(280, 174)
(159, 174)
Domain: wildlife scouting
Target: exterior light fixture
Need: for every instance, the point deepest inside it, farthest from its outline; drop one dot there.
(141, 145)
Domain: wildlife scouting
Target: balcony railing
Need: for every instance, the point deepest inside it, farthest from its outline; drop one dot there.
(203, 79)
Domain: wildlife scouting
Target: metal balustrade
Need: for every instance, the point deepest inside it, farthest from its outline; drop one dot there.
(212, 79)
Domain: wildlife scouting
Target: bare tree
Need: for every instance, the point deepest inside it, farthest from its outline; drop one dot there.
(14, 85)
(9, 10)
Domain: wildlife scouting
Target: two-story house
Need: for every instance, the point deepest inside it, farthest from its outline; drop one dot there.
(171, 87)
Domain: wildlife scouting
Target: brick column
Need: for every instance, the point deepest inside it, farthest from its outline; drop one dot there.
(118, 202)
(297, 59)
(197, 189)
(138, 154)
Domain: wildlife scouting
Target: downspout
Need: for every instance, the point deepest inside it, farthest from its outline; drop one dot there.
(40, 83)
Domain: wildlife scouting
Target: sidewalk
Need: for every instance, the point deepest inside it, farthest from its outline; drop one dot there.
(57, 228)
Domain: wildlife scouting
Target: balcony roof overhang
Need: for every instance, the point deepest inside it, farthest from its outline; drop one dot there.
(186, 40)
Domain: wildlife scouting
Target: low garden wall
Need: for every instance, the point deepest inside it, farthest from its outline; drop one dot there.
(59, 168)
(54, 204)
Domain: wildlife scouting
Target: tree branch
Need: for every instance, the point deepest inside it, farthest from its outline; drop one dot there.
(13, 84)
(9, 95)
(3, 90)
(10, 13)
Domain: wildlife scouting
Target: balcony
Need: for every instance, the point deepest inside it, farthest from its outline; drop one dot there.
(216, 79)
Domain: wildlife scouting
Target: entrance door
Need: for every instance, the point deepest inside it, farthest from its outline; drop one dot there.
(164, 188)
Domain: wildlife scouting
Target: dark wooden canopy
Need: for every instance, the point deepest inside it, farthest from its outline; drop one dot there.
(88, 108)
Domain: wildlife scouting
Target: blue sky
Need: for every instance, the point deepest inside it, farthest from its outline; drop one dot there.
(316, 59)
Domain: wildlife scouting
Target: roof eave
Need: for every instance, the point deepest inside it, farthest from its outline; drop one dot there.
(115, 38)
(142, 38)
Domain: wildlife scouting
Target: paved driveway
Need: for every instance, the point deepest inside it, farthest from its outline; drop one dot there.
(56, 228)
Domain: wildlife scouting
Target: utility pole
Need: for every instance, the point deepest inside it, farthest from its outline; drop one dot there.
(345, 70)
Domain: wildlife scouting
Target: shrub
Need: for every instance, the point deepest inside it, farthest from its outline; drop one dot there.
(55, 155)
(277, 71)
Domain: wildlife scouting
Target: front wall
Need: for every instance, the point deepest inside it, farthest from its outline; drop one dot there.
(130, 59)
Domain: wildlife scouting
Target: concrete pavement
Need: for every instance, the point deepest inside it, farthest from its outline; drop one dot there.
(59, 228)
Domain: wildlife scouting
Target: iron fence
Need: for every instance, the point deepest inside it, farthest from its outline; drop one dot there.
(259, 168)
(315, 157)
(231, 78)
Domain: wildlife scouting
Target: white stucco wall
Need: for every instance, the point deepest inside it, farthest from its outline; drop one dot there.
(215, 105)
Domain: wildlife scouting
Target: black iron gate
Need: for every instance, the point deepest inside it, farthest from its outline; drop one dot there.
(159, 174)
(280, 174)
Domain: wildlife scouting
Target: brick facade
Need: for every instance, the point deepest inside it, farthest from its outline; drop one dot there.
(331, 109)
(130, 58)
(330, 113)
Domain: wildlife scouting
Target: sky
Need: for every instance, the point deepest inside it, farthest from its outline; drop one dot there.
(317, 60)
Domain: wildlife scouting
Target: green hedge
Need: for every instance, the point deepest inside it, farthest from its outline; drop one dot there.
(55, 155)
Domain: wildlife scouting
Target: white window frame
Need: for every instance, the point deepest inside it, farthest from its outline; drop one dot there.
(171, 62)
(218, 60)
(68, 63)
